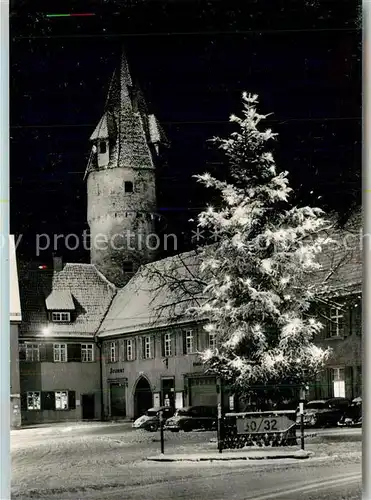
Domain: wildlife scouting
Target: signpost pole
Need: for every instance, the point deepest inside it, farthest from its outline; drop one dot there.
(162, 432)
(219, 428)
(301, 407)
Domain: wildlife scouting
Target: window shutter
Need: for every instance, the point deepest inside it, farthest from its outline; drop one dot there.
(163, 345)
(121, 350)
(49, 353)
(71, 400)
(347, 326)
(134, 348)
(48, 400)
(184, 337)
(349, 382)
(125, 357)
(330, 382)
(357, 320)
(24, 401)
(197, 340)
(22, 352)
(358, 384)
(141, 344)
(174, 336)
(153, 346)
(42, 351)
(74, 352)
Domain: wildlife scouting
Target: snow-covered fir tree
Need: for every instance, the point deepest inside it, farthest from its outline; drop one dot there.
(259, 304)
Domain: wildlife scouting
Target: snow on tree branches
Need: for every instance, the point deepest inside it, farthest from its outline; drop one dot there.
(257, 304)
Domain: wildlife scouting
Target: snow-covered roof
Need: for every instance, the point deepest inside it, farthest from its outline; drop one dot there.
(136, 307)
(90, 292)
(60, 300)
(14, 299)
(145, 303)
(341, 261)
(101, 130)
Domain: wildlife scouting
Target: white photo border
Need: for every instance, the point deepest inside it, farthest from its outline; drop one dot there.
(4, 254)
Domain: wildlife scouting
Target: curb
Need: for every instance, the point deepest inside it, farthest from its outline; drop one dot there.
(214, 458)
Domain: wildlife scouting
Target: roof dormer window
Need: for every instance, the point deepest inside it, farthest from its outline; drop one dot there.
(61, 317)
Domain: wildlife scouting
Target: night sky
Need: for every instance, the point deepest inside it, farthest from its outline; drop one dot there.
(192, 60)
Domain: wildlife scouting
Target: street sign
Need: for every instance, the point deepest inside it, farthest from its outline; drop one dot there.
(259, 425)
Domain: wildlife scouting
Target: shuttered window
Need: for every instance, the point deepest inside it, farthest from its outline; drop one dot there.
(212, 340)
(147, 347)
(112, 353)
(61, 400)
(129, 351)
(87, 353)
(338, 383)
(60, 353)
(32, 352)
(33, 400)
(48, 400)
(167, 350)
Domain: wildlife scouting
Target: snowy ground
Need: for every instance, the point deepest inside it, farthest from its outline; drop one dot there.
(101, 461)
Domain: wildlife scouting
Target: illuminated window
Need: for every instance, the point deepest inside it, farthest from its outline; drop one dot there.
(61, 400)
(33, 401)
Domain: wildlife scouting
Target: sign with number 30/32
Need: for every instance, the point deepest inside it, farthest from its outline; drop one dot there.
(258, 425)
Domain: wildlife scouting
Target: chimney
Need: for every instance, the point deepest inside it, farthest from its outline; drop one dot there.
(57, 264)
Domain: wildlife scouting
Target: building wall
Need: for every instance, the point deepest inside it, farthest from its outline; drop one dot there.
(15, 400)
(343, 372)
(179, 366)
(47, 376)
(341, 377)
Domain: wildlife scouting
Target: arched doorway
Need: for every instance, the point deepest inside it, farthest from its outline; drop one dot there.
(142, 397)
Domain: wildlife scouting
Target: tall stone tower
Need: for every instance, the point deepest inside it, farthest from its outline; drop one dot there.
(121, 183)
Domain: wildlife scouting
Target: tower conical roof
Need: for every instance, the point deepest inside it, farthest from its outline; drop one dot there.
(126, 124)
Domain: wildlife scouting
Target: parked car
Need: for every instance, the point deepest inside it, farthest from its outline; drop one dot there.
(150, 421)
(323, 412)
(353, 415)
(193, 417)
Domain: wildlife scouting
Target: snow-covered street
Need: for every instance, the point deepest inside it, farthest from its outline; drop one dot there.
(107, 461)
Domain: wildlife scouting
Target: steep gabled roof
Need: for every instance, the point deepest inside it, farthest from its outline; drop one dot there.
(341, 260)
(89, 290)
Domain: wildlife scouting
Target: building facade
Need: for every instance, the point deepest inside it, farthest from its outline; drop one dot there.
(59, 362)
(15, 320)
